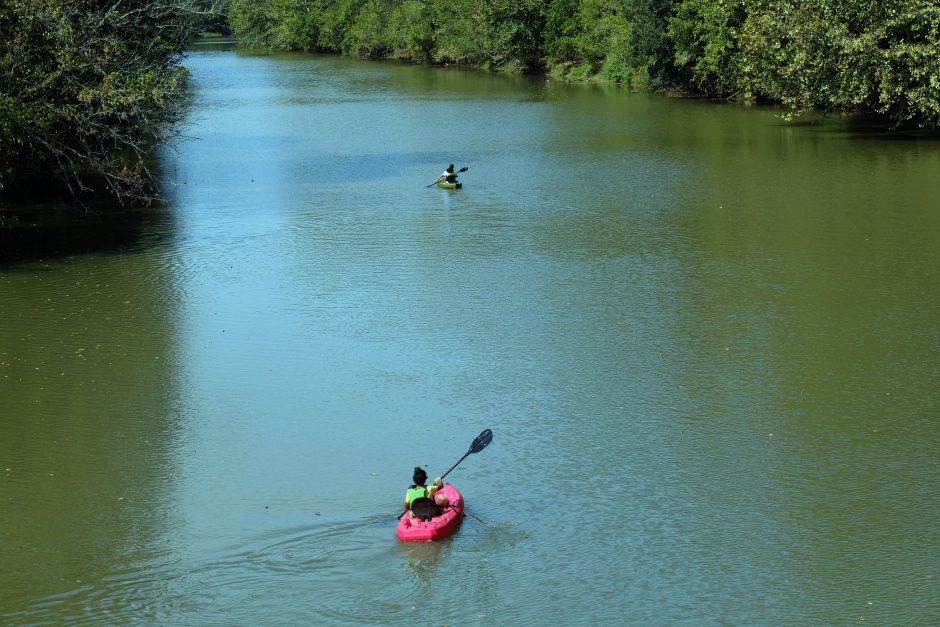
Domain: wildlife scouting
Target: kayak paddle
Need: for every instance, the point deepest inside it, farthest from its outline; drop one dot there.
(478, 445)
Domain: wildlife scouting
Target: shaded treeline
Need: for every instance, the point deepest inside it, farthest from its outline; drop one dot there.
(872, 56)
(86, 89)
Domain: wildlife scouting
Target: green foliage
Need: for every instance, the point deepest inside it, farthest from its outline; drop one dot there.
(410, 33)
(458, 33)
(611, 38)
(581, 72)
(562, 28)
(284, 24)
(850, 56)
(705, 38)
(616, 71)
(86, 88)
(337, 18)
(14, 121)
(594, 33)
(650, 47)
(599, 23)
(907, 74)
(366, 37)
(513, 33)
(252, 23)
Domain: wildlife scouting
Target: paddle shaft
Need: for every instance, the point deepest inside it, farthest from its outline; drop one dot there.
(458, 462)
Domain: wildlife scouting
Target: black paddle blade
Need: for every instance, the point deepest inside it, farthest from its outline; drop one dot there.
(464, 169)
(478, 445)
(482, 441)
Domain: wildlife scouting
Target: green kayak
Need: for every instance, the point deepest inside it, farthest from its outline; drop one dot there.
(446, 185)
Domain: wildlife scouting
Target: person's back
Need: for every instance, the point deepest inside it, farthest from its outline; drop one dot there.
(449, 175)
(419, 497)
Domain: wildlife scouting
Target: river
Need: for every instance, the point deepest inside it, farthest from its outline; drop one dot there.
(706, 341)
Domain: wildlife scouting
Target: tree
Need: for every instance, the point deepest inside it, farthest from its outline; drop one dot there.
(366, 36)
(650, 47)
(284, 24)
(908, 71)
(410, 31)
(705, 39)
(562, 28)
(513, 33)
(459, 35)
(842, 55)
(86, 89)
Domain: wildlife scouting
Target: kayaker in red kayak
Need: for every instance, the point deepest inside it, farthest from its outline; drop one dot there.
(421, 496)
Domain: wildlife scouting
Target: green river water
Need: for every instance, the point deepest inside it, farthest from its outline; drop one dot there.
(707, 343)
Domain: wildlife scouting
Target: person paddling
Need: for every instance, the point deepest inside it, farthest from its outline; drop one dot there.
(418, 498)
(449, 175)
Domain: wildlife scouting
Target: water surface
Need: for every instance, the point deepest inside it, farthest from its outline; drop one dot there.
(706, 342)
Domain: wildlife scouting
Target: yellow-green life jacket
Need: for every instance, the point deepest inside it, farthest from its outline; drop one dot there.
(415, 492)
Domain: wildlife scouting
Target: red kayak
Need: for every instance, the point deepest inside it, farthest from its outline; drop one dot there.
(411, 529)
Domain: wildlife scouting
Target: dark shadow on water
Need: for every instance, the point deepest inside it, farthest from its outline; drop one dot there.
(860, 127)
(883, 133)
(30, 233)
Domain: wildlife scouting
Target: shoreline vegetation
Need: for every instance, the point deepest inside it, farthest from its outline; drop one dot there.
(87, 89)
(873, 57)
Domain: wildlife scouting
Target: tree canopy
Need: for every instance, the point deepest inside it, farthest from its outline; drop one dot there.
(86, 89)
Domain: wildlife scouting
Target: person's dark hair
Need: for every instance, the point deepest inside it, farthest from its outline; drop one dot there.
(420, 476)
(450, 167)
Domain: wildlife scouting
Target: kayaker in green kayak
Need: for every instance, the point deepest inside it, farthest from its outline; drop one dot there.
(448, 178)
(421, 496)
